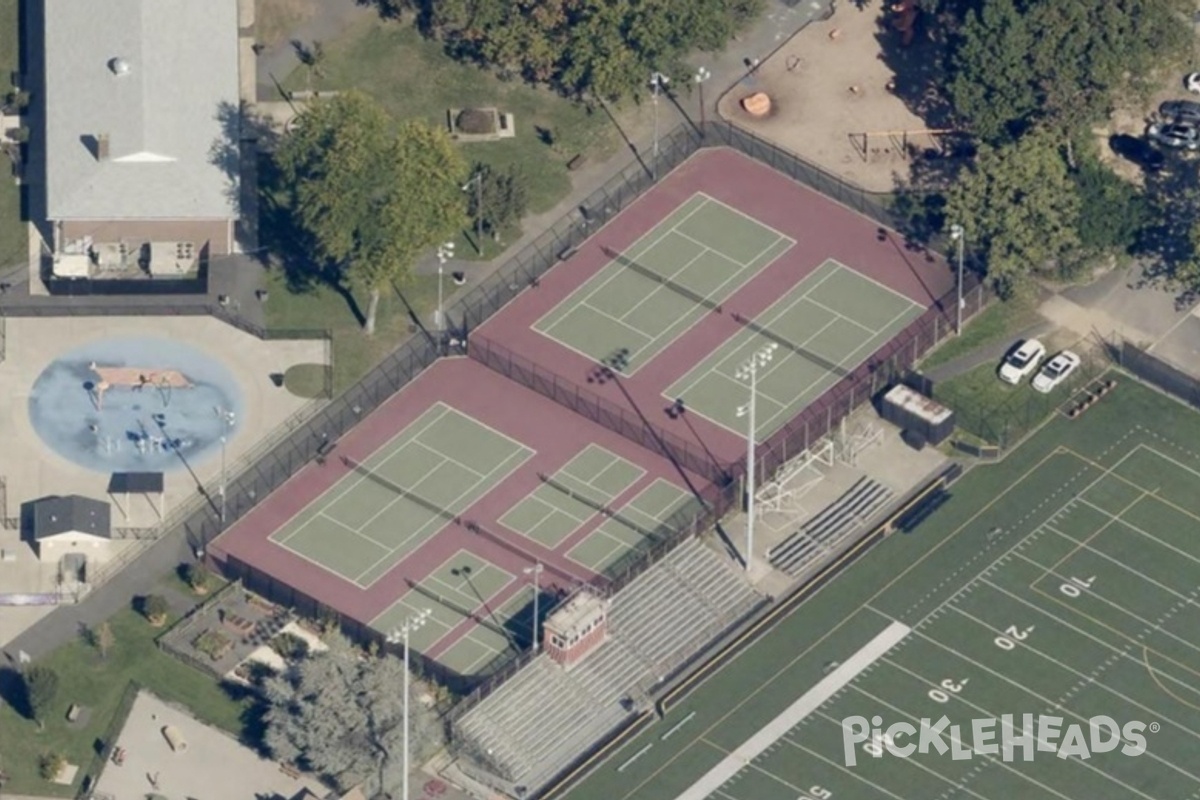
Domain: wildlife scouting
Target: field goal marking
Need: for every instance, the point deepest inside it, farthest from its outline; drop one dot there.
(806, 704)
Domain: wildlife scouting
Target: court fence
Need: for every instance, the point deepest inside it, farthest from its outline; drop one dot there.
(1155, 371)
(314, 432)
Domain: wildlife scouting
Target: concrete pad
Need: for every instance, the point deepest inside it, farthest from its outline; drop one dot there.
(1181, 346)
(214, 764)
(1151, 310)
(32, 470)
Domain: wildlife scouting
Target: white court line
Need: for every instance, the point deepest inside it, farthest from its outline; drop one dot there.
(774, 730)
(705, 251)
(1140, 531)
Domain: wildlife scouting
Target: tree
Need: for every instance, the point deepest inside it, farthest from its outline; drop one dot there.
(156, 608)
(101, 637)
(1019, 207)
(373, 196)
(41, 687)
(1019, 63)
(198, 577)
(338, 713)
(1112, 212)
(505, 193)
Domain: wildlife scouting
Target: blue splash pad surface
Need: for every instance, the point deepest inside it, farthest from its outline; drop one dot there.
(131, 429)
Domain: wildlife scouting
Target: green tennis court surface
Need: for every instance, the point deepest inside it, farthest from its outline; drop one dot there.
(631, 526)
(662, 284)
(1062, 582)
(554, 510)
(402, 495)
(461, 588)
(823, 329)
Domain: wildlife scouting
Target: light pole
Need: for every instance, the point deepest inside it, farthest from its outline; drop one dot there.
(658, 82)
(959, 234)
(227, 418)
(702, 74)
(445, 252)
(535, 571)
(748, 373)
(477, 181)
(400, 635)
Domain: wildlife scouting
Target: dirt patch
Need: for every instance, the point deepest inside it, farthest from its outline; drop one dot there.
(845, 96)
(276, 19)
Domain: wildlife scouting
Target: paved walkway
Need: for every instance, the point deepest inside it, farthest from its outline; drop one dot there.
(988, 353)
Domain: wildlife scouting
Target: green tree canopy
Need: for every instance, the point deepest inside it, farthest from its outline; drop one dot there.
(1017, 62)
(340, 713)
(1019, 207)
(41, 688)
(504, 195)
(373, 195)
(606, 47)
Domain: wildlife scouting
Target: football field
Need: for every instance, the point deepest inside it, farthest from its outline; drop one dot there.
(1038, 637)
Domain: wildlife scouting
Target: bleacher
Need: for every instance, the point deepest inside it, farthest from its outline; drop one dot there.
(544, 717)
(848, 514)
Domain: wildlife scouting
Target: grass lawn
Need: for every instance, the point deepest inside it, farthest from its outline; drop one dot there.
(997, 322)
(412, 78)
(999, 413)
(354, 353)
(99, 684)
(13, 241)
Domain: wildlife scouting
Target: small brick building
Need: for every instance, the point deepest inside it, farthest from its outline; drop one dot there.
(574, 630)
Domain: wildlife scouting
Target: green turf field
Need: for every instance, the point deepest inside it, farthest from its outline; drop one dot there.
(1062, 581)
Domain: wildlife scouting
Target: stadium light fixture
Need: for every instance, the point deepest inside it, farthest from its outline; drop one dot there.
(748, 373)
(400, 635)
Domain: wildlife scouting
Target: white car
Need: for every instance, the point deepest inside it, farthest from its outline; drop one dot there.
(1022, 361)
(1192, 82)
(1056, 371)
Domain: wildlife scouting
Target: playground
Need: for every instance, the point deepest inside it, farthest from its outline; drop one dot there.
(1061, 581)
(854, 67)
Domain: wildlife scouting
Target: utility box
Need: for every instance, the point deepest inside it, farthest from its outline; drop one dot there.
(912, 411)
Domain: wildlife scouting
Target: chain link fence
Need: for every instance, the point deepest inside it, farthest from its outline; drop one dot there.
(1156, 371)
(315, 431)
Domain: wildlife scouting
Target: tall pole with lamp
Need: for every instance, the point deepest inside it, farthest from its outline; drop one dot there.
(658, 82)
(959, 235)
(702, 74)
(748, 373)
(477, 182)
(536, 572)
(445, 252)
(227, 419)
(400, 636)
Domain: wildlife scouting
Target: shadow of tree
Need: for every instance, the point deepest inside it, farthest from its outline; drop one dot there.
(12, 691)
(1166, 249)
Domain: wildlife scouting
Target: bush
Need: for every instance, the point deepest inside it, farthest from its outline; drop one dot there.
(289, 646)
(41, 687)
(198, 578)
(50, 765)
(475, 120)
(155, 608)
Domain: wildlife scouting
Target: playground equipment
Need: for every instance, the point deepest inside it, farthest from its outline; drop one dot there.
(137, 379)
(901, 143)
(757, 105)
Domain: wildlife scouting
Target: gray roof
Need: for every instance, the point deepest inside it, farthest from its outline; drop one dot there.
(53, 516)
(170, 119)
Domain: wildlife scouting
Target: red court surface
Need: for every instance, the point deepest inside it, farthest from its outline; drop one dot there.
(553, 432)
(821, 228)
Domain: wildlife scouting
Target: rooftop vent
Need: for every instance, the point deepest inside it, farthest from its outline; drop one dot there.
(119, 66)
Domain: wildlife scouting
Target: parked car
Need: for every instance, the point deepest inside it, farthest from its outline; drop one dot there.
(1192, 82)
(1137, 150)
(1022, 361)
(1180, 111)
(1056, 371)
(1177, 135)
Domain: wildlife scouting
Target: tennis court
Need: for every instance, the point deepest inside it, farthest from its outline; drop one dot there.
(1061, 583)
(822, 329)
(403, 494)
(660, 286)
(461, 588)
(567, 499)
(630, 527)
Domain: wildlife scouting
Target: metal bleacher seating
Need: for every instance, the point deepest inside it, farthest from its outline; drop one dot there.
(545, 716)
(846, 515)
